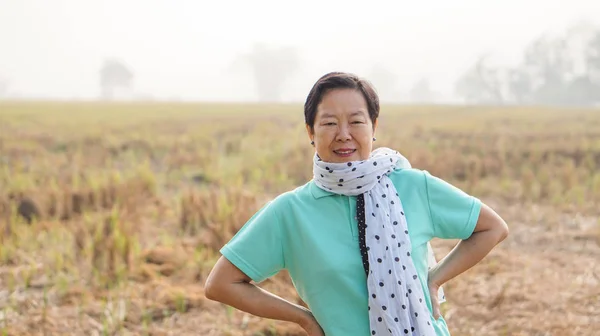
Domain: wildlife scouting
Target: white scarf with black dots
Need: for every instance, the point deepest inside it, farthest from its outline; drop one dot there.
(396, 300)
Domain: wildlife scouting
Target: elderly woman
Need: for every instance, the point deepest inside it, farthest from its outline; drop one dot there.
(355, 238)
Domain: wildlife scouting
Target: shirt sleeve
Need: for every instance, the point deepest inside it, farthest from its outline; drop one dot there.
(257, 249)
(454, 213)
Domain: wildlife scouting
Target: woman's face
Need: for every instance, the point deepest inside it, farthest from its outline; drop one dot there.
(343, 131)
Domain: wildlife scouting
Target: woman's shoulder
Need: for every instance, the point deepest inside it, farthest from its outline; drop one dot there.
(419, 181)
(292, 196)
(412, 176)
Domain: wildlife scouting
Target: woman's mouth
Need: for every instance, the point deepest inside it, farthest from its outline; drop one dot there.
(344, 152)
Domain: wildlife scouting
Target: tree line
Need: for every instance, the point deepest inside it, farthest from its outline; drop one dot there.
(561, 70)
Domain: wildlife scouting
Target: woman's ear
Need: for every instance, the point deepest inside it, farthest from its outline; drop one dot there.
(309, 132)
(375, 123)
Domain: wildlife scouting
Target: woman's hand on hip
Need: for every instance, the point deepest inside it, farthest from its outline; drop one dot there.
(435, 303)
(311, 326)
(489, 231)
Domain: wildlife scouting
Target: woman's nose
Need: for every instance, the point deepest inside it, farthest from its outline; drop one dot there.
(343, 133)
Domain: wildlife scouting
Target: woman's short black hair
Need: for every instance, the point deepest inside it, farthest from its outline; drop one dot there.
(339, 80)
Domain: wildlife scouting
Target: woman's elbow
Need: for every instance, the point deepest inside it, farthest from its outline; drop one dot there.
(211, 288)
(503, 231)
(500, 228)
(490, 221)
(223, 275)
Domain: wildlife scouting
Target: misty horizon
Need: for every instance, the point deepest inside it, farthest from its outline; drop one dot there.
(191, 52)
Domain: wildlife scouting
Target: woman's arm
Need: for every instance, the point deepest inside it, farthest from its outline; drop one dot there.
(489, 231)
(227, 284)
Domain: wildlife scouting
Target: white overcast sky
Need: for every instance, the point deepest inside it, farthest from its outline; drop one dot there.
(185, 49)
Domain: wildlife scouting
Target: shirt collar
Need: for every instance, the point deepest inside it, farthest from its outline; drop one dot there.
(318, 192)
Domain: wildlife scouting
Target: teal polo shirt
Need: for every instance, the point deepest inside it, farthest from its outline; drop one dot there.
(313, 234)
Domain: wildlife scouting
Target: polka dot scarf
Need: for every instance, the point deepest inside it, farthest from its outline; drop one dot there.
(396, 300)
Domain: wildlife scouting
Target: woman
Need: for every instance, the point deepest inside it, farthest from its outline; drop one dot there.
(355, 238)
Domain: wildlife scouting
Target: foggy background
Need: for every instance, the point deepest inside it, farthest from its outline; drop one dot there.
(454, 51)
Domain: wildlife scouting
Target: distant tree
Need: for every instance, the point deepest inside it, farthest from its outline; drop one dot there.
(114, 74)
(421, 92)
(272, 68)
(385, 82)
(519, 86)
(482, 83)
(550, 65)
(3, 87)
(581, 91)
(568, 68)
(586, 88)
(592, 59)
(559, 71)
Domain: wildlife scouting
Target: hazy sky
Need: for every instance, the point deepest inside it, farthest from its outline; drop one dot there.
(186, 49)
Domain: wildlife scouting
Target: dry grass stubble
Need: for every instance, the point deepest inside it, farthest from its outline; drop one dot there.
(111, 228)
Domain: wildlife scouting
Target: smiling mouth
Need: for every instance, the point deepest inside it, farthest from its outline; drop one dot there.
(345, 152)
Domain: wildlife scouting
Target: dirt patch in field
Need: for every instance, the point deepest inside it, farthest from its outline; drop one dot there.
(542, 280)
